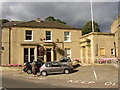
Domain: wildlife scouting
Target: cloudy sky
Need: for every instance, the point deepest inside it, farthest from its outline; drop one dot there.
(74, 13)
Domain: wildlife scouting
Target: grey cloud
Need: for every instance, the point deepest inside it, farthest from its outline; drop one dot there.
(74, 13)
(60, 0)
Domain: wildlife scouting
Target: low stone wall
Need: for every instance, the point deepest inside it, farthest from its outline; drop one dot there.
(7, 69)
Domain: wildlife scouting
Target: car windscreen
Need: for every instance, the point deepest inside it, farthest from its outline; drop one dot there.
(54, 64)
(64, 60)
(48, 65)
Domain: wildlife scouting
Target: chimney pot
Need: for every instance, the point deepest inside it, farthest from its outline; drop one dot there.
(38, 20)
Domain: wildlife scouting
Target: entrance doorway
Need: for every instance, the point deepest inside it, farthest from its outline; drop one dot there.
(29, 54)
(83, 54)
(48, 54)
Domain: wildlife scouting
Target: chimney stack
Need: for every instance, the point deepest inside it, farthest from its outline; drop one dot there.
(38, 20)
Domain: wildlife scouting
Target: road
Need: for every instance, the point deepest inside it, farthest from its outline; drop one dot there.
(17, 84)
(97, 76)
(8, 82)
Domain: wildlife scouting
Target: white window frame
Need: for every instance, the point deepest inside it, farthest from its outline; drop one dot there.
(35, 51)
(113, 51)
(31, 35)
(68, 53)
(67, 36)
(50, 35)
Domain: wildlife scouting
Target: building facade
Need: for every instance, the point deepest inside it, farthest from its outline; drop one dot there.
(33, 40)
(0, 42)
(115, 28)
(96, 45)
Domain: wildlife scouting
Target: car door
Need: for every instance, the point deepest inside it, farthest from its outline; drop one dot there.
(57, 68)
(49, 68)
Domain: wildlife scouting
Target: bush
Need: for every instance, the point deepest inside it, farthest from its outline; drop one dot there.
(11, 65)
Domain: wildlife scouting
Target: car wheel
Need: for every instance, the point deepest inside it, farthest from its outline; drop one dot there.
(44, 73)
(66, 71)
(29, 71)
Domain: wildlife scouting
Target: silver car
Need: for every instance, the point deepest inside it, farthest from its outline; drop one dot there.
(54, 67)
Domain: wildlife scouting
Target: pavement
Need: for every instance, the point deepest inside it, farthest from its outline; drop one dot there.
(97, 76)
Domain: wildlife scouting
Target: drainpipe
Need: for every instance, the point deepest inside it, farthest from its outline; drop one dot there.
(9, 45)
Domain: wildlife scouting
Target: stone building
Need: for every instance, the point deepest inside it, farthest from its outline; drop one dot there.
(36, 39)
(50, 41)
(115, 28)
(96, 45)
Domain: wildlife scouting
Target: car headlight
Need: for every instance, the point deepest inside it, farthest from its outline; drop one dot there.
(24, 63)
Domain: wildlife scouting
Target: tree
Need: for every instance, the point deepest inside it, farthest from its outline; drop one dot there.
(51, 18)
(2, 21)
(88, 28)
(59, 21)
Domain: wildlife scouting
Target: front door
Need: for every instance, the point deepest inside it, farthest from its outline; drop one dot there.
(48, 54)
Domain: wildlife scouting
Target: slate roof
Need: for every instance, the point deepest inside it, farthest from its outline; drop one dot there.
(42, 24)
(11, 23)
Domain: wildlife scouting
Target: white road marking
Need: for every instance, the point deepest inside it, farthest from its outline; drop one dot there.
(94, 73)
(110, 83)
(81, 81)
(114, 84)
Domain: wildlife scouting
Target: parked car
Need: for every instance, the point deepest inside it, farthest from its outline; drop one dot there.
(66, 61)
(54, 67)
(28, 66)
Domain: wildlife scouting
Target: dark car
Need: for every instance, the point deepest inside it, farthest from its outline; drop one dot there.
(66, 61)
(28, 66)
(54, 67)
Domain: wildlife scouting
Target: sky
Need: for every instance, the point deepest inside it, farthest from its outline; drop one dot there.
(76, 14)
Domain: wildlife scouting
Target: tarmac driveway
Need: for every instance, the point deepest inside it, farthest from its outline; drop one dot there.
(97, 76)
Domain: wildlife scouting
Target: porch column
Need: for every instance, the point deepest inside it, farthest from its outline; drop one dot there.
(81, 54)
(35, 54)
(52, 55)
(87, 54)
(45, 57)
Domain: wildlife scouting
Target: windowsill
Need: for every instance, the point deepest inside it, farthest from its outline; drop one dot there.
(67, 41)
(28, 40)
(112, 55)
(49, 41)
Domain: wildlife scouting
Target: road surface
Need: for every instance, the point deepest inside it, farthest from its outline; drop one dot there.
(8, 82)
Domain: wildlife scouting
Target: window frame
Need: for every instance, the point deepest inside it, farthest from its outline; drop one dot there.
(49, 35)
(68, 55)
(29, 53)
(67, 37)
(113, 51)
(100, 52)
(29, 35)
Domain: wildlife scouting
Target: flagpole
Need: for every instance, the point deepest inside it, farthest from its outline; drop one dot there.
(92, 15)
(93, 53)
